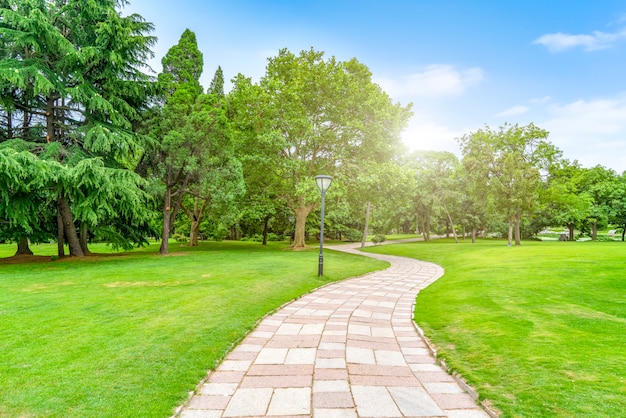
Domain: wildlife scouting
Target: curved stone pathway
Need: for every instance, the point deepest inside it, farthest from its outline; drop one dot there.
(348, 349)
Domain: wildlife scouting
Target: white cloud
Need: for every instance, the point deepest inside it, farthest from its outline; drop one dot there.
(590, 131)
(433, 82)
(540, 100)
(514, 111)
(557, 42)
(424, 134)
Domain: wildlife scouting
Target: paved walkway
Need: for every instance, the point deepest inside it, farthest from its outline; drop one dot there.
(349, 349)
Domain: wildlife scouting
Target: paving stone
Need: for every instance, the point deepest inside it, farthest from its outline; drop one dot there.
(425, 368)
(467, 413)
(222, 389)
(283, 381)
(291, 401)
(415, 402)
(234, 365)
(331, 374)
(369, 380)
(331, 386)
(332, 400)
(442, 387)
(360, 355)
(453, 401)
(226, 377)
(271, 356)
(249, 402)
(194, 413)
(279, 369)
(330, 363)
(301, 356)
(289, 329)
(374, 402)
(389, 358)
(334, 413)
(209, 402)
(332, 346)
(369, 370)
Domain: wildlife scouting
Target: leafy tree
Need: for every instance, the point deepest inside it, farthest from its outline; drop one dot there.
(71, 73)
(514, 156)
(435, 188)
(179, 151)
(195, 157)
(309, 115)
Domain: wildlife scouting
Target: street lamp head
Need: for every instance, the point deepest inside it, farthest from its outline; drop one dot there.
(323, 182)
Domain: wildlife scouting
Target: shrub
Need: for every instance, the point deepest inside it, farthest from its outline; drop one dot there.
(180, 237)
(353, 235)
(378, 239)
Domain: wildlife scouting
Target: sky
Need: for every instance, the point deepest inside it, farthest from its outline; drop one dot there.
(464, 65)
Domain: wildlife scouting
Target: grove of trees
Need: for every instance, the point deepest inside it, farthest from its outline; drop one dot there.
(94, 148)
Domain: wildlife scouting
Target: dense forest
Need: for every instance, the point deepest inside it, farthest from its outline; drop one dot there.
(95, 148)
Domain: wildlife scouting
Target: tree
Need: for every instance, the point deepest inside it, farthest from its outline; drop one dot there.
(435, 188)
(218, 184)
(311, 115)
(514, 156)
(195, 156)
(72, 71)
(178, 151)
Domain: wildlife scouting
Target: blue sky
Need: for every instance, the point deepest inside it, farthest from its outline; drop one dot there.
(463, 64)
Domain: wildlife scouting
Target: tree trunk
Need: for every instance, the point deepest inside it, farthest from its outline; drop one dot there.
(623, 232)
(510, 236)
(302, 213)
(180, 194)
(426, 230)
(594, 231)
(70, 229)
(50, 137)
(473, 235)
(196, 218)
(367, 224)
(165, 235)
(84, 235)
(518, 221)
(194, 232)
(570, 228)
(266, 223)
(10, 125)
(60, 236)
(22, 247)
(445, 207)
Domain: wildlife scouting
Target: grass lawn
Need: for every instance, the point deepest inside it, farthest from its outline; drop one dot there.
(129, 335)
(539, 330)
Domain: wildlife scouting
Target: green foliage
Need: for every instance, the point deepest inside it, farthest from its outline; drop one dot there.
(378, 239)
(353, 235)
(72, 86)
(310, 115)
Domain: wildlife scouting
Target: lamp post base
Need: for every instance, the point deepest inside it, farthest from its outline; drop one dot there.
(320, 267)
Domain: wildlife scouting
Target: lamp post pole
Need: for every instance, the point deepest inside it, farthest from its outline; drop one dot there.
(323, 182)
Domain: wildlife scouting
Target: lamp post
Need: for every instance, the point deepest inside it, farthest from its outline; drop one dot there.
(323, 182)
(291, 219)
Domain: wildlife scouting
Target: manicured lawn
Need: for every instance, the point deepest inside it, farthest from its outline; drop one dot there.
(129, 335)
(539, 330)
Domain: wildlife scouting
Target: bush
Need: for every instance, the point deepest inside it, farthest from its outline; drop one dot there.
(378, 239)
(180, 237)
(353, 235)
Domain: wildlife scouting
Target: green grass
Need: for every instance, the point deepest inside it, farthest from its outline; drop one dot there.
(129, 335)
(539, 330)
